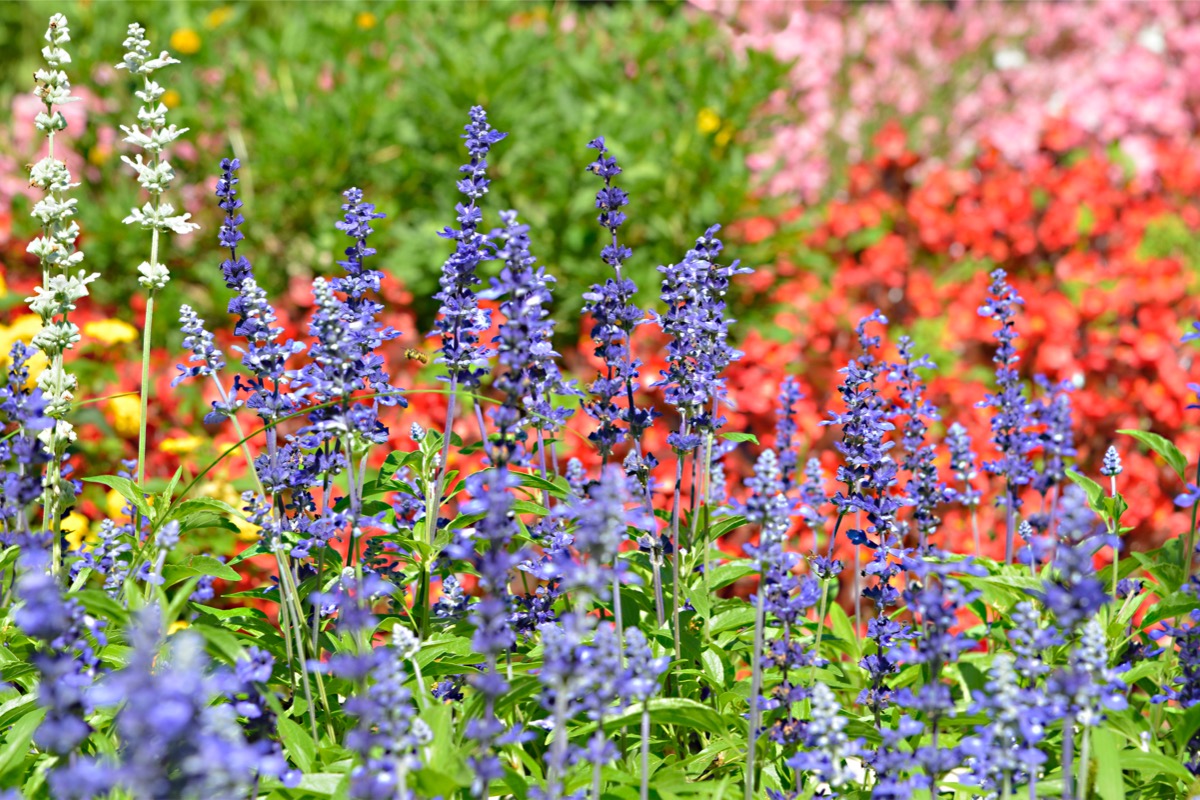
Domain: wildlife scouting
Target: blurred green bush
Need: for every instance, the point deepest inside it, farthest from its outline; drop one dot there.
(317, 97)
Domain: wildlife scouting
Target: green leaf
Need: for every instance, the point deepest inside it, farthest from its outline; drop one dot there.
(221, 641)
(257, 549)
(531, 481)
(1176, 604)
(299, 743)
(1154, 764)
(843, 628)
(729, 573)
(1175, 459)
(1185, 726)
(724, 526)
(127, 489)
(714, 668)
(1110, 783)
(732, 619)
(1094, 491)
(17, 740)
(100, 605)
(680, 711)
(740, 437)
(196, 566)
(395, 461)
(205, 504)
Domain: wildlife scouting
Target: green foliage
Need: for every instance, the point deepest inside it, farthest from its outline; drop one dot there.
(310, 98)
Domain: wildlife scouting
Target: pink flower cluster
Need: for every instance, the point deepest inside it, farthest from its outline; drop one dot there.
(964, 75)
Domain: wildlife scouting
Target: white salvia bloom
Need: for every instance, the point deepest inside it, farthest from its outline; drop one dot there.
(56, 252)
(154, 173)
(405, 641)
(154, 276)
(56, 382)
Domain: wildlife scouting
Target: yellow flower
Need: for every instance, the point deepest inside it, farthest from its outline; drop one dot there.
(708, 121)
(78, 531)
(110, 331)
(247, 531)
(99, 155)
(170, 98)
(185, 41)
(181, 445)
(724, 136)
(218, 17)
(114, 504)
(23, 329)
(3, 286)
(365, 20)
(221, 489)
(177, 626)
(127, 414)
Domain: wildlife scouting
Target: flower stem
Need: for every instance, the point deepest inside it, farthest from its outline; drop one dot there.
(1084, 748)
(645, 746)
(755, 688)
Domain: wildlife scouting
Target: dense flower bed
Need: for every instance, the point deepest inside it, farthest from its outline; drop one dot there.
(469, 567)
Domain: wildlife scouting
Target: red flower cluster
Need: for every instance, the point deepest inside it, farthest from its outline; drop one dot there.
(1102, 261)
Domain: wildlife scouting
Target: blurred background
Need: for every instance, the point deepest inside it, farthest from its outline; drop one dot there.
(859, 155)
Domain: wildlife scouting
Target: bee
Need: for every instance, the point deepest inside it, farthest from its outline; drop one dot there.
(412, 354)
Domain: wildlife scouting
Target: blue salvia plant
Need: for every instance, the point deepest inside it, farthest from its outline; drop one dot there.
(693, 294)
(539, 671)
(1010, 406)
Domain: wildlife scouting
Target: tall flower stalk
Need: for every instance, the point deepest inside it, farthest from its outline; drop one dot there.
(60, 290)
(460, 319)
(614, 316)
(963, 462)
(867, 469)
(693, 292)
(151, 134)
(768, 508)
(925, 491)
(1009, 404)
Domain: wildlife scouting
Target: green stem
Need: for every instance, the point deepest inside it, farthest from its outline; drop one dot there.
(147, 330)
(755, 689)
(1084, 747)
(285, 611)
(645, 748)
(314, 646)
(820, 629)
(1189, 550)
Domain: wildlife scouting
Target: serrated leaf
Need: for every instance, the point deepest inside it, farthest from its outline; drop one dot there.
(1175, 458)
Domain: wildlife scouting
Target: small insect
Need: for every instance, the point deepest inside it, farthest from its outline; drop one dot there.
(412, 354)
